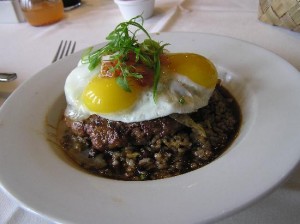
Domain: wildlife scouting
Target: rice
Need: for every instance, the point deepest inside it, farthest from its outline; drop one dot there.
(166, 156)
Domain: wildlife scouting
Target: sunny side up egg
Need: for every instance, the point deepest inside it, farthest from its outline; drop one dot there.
(187, 81)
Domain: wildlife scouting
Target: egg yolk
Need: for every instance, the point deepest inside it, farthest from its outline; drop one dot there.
(104, 95)
(196, 67)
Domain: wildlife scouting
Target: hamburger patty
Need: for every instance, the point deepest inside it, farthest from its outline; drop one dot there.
(106, 134)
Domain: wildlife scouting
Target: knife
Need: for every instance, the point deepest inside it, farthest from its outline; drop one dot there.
(7, 77)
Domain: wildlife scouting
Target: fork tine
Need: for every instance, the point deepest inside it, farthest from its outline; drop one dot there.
(68, 48)
(73, 48)
(57, 53)
(63, 50)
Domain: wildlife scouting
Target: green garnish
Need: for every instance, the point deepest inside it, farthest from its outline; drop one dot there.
(122, 42)
(181, 100)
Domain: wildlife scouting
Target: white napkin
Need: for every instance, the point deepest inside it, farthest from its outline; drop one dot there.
(10, 12)
(168, 16)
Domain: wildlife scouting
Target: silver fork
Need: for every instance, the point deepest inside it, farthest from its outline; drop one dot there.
(64, 49)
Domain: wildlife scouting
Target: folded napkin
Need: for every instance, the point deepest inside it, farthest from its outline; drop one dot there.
(10, 12)
(284, 13)
(167, 17)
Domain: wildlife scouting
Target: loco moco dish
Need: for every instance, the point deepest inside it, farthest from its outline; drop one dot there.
(138, 112)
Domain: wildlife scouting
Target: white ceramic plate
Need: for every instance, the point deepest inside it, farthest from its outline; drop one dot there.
(37, 173)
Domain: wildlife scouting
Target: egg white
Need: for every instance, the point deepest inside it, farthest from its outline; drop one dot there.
(176, 94)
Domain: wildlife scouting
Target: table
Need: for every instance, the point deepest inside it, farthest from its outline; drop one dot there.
(26, 50)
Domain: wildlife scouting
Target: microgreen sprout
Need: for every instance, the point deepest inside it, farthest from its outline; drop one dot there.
(121, 42)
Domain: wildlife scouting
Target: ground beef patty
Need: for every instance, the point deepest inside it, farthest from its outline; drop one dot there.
(153, 149)
(109, 135)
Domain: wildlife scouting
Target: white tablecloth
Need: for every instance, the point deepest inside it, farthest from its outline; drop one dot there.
(26, 50)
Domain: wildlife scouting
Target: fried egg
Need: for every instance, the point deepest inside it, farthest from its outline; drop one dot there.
(186, 83)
